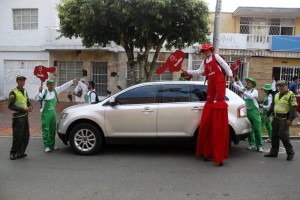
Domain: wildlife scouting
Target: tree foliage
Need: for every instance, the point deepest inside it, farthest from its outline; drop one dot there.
(142, 24)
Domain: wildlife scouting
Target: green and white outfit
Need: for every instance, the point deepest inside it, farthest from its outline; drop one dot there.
(48, 110)
(90, 97)
(266, 105)
(250, 98)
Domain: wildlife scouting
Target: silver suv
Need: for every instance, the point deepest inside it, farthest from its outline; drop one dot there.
(150, 110)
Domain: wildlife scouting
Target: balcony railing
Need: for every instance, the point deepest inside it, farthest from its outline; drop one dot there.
(243, 41)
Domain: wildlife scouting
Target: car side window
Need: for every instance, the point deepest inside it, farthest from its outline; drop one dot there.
(175, 93)
(199, 93)
(141, 95)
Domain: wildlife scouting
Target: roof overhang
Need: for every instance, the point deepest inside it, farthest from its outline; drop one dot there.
(266, 12)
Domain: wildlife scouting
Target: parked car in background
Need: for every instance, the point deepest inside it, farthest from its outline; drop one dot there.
(151, 110)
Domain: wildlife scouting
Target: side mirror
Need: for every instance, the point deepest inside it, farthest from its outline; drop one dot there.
(112, 101)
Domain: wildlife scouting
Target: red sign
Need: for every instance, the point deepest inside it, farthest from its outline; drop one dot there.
(42, 72)
(173, 62)
(234, 66)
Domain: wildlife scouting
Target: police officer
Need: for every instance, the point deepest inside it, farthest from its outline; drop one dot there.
(283, 109)
(20, 104)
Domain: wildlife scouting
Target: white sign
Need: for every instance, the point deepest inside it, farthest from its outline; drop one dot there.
(231, 41)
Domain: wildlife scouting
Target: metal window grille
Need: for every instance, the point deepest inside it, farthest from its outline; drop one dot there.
(166, 76)
(286, 73)
(267, 26)
(68, 70)
(99, 76)
(25, 19)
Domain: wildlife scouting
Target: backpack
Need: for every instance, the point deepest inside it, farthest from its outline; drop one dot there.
(97, 99)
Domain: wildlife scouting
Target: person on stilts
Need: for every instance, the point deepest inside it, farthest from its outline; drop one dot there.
(213, 137)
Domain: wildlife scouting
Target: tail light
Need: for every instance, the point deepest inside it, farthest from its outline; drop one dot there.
(242, 111)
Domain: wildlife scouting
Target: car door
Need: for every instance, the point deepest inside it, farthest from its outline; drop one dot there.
(135, 113)
(179, 110)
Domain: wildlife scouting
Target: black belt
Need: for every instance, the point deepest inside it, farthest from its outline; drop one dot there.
(281, 115)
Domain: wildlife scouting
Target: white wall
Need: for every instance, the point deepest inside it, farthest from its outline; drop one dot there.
(12, 39)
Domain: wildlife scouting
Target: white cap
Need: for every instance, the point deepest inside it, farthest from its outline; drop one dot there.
(82, 80)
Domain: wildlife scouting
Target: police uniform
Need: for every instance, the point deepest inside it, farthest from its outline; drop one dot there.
(283, 109)
(19, 103)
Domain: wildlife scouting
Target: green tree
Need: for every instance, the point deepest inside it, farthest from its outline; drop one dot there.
(141, 24)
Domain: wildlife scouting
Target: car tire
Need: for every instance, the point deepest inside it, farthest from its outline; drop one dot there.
(85, 139)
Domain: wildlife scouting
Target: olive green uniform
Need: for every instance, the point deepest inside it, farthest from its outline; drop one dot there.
(18, 101)
(284, 108)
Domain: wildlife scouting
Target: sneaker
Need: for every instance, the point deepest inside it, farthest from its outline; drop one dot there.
(251, 147)
(47, 150)
(260, 149)
(267, 140)
(55, 148)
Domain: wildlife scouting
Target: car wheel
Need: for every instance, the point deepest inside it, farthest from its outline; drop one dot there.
(85, 139)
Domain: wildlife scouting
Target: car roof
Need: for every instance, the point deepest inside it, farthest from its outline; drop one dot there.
(173, 82)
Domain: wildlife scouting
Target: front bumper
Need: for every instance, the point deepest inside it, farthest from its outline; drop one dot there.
(63, 138)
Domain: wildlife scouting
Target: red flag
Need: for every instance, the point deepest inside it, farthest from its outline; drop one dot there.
(42, 72)
(234, 66)
(173, 62)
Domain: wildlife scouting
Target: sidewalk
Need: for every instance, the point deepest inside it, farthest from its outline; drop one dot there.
(34, 118)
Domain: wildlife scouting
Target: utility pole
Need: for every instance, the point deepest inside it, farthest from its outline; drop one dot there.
(217, 26)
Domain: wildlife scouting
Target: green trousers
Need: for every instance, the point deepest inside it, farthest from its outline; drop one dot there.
(267, 124)
(49, 128)
(20, 141)
(255, 136)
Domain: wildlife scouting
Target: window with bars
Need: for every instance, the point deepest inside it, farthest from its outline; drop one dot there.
(267, 26)
(285, 73)
(68, 70)
(25, 19)
(166, 76)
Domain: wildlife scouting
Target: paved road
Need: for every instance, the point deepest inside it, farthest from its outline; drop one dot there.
(146, 172)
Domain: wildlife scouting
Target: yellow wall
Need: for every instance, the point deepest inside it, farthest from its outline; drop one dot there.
(297, 26)
(285, 62)
(228, 23)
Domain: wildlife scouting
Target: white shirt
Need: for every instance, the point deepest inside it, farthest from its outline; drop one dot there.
(50, 94)
(274, 85)
(77, 89)
(248, 94)
(270, 99)
(91, 94)
(220, 60)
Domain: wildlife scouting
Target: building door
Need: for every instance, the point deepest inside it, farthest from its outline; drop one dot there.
(99, 76)
(13, 68)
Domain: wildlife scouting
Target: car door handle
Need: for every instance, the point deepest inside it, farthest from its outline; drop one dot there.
(197, 108)
(147, 110)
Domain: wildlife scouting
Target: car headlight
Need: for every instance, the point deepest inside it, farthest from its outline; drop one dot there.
(63, 116)
(242, 111)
